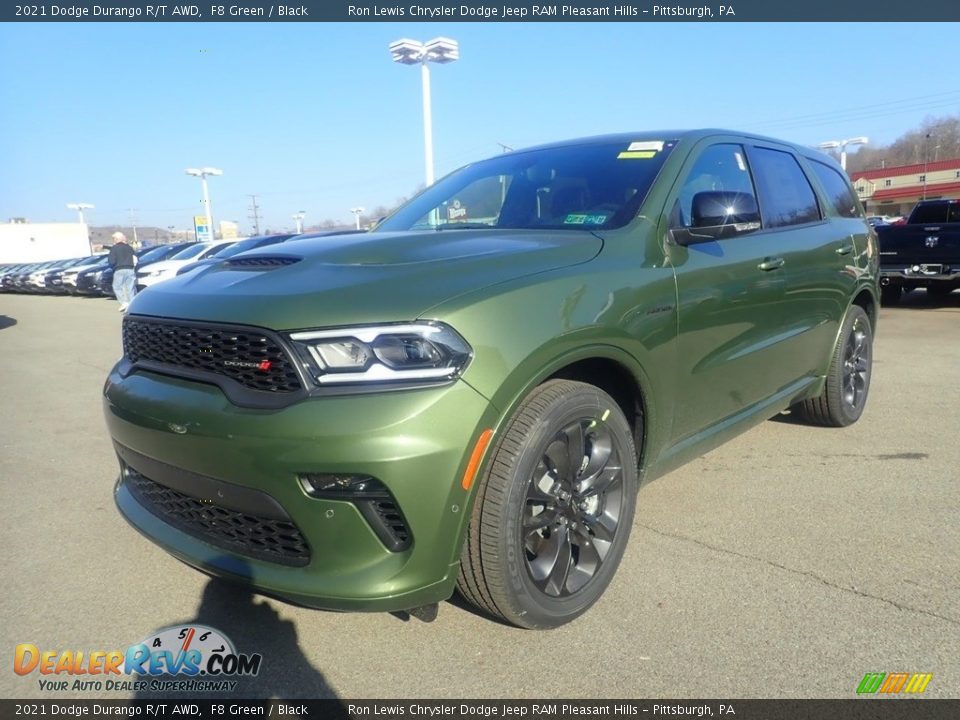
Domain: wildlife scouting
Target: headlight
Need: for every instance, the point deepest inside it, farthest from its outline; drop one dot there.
(411, 352)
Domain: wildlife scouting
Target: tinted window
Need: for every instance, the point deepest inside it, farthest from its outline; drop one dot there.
(719, 177)
(786, 197)
(838, 190)
(189, 252)
(579, 187)
(936, 213)
(216, 250)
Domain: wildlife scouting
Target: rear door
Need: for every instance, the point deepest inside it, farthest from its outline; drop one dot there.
(730, 289)
(817, 249)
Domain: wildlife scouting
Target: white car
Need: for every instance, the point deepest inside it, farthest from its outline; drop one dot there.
(153, 273)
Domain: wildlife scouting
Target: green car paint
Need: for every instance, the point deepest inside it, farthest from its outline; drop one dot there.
(695, 337)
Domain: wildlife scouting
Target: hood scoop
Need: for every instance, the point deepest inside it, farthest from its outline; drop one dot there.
(261, 262)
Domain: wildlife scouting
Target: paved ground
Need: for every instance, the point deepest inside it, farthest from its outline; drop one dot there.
(787, 563)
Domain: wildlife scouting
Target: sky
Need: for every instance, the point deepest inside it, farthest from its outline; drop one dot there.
(315, 117)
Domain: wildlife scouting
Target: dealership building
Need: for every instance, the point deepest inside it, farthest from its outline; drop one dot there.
(895, 190)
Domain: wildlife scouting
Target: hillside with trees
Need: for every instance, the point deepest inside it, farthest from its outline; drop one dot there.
(935, 139)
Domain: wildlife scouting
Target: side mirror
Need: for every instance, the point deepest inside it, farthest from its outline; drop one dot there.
(719, 215)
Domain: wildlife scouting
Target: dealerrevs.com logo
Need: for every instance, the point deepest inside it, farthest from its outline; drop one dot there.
(188, 658)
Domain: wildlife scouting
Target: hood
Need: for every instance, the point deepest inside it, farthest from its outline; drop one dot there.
(357, 279)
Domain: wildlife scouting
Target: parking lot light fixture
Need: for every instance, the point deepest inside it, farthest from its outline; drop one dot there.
(357, 211)
(299, 218)
(80, 207)
(202, 173)
(842, 144)
(440, 50)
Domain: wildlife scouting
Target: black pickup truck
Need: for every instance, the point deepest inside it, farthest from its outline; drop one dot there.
(924, 252)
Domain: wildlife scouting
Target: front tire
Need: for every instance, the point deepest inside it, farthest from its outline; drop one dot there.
(553, 510)
(844, 395)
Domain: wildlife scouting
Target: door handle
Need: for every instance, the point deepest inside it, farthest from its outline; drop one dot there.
(844, 249)
(771, 263)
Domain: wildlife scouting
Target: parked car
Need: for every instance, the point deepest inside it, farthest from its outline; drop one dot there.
(53, 279)
(35, 281)
(21, 277)
(145, 255)
(469, 395)
(88, 279)
(7, 276)
(69, 277)
(923, 252)
(152, 273)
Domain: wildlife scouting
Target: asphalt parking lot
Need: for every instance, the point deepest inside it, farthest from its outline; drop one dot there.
(787, 563)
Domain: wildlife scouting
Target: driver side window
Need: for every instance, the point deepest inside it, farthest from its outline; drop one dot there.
(718, 193)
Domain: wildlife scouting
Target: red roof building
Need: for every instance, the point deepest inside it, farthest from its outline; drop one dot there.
(895, 190)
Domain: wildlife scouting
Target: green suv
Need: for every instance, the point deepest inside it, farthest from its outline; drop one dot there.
(469, 396)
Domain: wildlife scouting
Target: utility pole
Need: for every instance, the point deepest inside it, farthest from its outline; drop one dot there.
(254, 214)
(133, 224)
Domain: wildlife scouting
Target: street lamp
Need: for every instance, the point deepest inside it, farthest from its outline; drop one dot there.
(299, 218)
(202, 173)
(356, 214)
(80, 207)
(411, 52)
(842, 144)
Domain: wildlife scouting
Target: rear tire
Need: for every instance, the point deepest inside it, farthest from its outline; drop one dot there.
(553, 510)
(844, 395)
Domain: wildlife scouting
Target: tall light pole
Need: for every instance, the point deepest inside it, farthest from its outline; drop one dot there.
(202, 173)
(80, 207)
(356, 215)
(842, 144)
(299, 218)
(412, 52)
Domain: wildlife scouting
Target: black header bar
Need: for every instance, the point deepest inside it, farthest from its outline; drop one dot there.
(476, 11)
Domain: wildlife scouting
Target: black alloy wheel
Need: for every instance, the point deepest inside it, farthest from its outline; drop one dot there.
(572, 508)
(847, 383)
(553, 508)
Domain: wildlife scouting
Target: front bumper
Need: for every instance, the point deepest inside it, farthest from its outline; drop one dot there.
(415, 442)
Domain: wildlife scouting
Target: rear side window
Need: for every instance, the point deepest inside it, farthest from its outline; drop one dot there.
(786, 197)
(936, 213)
(838, 190)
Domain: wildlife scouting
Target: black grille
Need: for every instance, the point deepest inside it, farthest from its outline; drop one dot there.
(253, 359)
(257, 537)
(267, 261)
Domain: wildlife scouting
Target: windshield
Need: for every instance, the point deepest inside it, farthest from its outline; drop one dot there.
(216, 250)
(190, 252)
(157, 253)
(574, 187)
